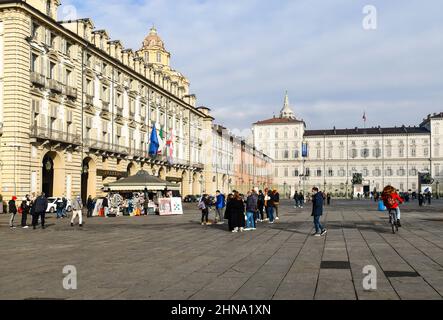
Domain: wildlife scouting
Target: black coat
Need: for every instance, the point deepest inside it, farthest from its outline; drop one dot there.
(317, 205)
(41, 204)
(25, 207)
(237, 213)
(12, 207)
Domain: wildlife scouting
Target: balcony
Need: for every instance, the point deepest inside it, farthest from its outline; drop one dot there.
(55, 86)
(105, 106)
(71, 92)
(89, 100)
(119, 112)
(38, 79)
(198, 165)
(106, 147)
(41, 133)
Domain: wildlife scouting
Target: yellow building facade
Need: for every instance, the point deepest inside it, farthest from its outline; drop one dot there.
(77, 109)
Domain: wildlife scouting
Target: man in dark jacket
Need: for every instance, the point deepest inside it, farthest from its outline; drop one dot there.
(90, 206)
(261, 205)
(12, 206)
(251, 209)
(26, 208)
(317, 212)
(41, 204)
(270, 206)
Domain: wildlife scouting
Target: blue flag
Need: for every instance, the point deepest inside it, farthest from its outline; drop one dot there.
(154, 144)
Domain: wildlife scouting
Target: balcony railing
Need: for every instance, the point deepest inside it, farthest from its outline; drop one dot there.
(38, 79)
(55, 135)
(55, 86)
(106, 146)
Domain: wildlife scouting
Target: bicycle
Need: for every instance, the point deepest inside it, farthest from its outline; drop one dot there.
(393, 220)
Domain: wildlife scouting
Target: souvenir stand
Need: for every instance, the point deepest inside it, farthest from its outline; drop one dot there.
(132, 192)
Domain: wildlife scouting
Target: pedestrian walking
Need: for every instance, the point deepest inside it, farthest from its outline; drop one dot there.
(12, 206)
(251, 209)
(41, 205)
(220, 205)
(25, 210)
(429, 197)
(237, 213)
(65, 206)
(90, 207)
(328, 199)
(77, 207)
(60, 208)
(267, 198)
(317, 212)
(301, 200)
(296, 199)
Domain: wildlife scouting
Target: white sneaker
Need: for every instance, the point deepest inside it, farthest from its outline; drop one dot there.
(241, 229)
(253, 229)
(271, 222)
(277, 218)
(247, 229)
(25, 227)
(234, 231)
(317, 235)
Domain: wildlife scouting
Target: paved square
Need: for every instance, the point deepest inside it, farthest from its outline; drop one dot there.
(176, 258)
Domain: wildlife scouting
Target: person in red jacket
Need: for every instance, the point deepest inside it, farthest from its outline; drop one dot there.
(391, 200)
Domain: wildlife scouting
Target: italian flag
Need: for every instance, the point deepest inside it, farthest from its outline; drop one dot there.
(161, 141)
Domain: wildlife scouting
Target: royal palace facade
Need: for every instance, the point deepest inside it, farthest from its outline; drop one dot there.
(382, 156)
(77, 110)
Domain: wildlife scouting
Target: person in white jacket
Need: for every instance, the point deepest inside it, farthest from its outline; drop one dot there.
(77, 207)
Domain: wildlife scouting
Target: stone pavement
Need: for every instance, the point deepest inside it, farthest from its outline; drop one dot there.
(176, 258)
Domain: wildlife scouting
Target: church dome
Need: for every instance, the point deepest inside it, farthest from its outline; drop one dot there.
(153, 41)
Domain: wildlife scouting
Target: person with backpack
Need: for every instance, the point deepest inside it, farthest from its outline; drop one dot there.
(391, 200)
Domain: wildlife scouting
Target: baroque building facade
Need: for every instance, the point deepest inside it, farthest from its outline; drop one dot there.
(392, 155)
(77, 108)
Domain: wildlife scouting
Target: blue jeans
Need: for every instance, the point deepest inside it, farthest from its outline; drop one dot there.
(250, 221)
(59, 212)
(270, 212)
(317, 224)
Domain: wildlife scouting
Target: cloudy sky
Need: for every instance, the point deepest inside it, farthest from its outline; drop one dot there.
(241, 56)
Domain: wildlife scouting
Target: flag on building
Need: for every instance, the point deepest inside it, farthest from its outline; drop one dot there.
(364, 117)
(161, 142)
(170, 147)
(153, 143)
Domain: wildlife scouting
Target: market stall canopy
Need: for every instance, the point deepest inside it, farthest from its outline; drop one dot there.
(141, 181)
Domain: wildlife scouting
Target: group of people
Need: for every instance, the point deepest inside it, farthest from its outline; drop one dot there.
(243, 212)
(30, 205)
(37, 207)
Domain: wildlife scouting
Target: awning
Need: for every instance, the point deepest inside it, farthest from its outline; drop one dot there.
(141, 181)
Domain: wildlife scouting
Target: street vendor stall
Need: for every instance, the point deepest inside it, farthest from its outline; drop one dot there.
(142, 194)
